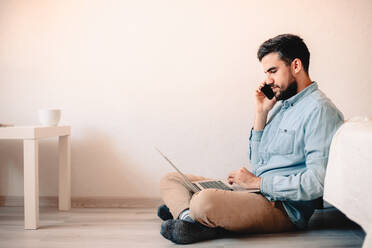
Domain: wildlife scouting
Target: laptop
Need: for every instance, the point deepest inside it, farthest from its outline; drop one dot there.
(207, 184)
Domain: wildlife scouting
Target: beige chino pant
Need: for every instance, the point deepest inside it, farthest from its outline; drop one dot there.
(233, 210)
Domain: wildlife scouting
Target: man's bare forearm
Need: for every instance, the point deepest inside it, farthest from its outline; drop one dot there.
(260, 121)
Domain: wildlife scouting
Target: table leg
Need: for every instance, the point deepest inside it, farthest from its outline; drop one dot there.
(64, 195)
(31, 183)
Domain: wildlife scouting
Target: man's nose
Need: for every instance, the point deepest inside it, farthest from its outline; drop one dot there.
(269, 81)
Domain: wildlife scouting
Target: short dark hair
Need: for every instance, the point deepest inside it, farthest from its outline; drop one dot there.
(288, 47)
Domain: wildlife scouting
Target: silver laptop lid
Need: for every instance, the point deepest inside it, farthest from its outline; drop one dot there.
(187, 181)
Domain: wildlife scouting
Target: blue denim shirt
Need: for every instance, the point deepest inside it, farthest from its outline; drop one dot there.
(290, 155)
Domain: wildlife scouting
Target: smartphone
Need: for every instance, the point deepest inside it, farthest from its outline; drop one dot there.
(268, 92)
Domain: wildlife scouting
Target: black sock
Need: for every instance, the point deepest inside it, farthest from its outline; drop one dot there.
(184, 232)
(164, 213)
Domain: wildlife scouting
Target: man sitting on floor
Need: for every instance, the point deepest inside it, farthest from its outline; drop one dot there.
(288, 152)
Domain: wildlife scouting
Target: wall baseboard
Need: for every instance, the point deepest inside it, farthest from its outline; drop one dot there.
(86, 202)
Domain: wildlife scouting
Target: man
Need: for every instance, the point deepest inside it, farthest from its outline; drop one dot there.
(288, 152)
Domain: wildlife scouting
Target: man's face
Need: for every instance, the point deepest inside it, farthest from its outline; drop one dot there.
(279, 76)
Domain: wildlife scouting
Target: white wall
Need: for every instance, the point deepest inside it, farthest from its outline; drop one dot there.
(180, 75)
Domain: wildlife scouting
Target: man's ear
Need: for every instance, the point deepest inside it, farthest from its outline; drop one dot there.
(296, 66)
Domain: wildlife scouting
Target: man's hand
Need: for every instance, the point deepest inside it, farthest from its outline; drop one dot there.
(244, 178)
(263, 104)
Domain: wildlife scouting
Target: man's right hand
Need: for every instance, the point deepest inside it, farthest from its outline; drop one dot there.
(263, 104)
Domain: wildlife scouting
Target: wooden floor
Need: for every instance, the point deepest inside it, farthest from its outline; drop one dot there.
(139, 227)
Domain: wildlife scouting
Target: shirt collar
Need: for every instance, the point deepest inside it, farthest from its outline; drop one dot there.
(308, 90)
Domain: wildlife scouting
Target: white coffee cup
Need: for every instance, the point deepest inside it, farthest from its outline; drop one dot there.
(49, 117)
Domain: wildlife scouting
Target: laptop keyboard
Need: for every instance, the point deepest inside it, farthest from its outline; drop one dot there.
(214, 185)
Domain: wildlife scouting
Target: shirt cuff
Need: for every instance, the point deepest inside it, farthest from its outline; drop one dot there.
(266, 186)
(255, 135)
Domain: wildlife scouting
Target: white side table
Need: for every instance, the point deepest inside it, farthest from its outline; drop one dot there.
(30, 136)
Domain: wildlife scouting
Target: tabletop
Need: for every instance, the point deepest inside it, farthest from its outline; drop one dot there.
(33, 132)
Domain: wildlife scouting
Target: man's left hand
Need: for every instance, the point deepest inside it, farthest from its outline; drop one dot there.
(244, 178)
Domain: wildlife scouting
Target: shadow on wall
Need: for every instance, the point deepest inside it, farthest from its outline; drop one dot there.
(11, 167)
(12, 171)
(99, 167)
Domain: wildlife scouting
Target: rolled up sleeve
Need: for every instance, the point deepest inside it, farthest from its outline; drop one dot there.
(254, 143)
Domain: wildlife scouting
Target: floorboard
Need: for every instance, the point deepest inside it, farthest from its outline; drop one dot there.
(139, 227)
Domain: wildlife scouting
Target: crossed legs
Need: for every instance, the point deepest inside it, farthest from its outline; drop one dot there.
(232, 210)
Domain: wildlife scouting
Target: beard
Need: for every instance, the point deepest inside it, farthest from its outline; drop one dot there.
(288, 93)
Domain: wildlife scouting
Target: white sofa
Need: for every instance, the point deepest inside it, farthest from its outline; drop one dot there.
(348, 181)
